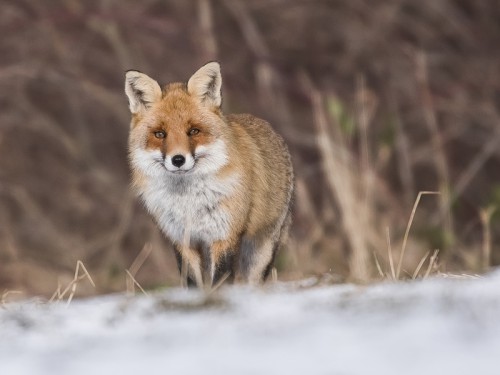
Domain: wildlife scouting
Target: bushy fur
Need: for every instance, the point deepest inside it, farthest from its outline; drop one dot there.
(226, 208)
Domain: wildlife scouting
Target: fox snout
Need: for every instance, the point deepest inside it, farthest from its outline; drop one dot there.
(179, 162)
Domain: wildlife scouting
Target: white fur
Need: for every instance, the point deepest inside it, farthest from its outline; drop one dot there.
(188, 164)
(193, 201)
(193, 197)
(149, 162)
(210, 158)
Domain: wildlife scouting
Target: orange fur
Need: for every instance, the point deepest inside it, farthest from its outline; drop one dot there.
(251, 166)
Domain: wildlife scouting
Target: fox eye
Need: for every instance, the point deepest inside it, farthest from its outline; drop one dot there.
(193, 131)
(160, 134)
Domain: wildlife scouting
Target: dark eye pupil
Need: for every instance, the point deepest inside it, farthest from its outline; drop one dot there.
(194, 131)
(160, 134)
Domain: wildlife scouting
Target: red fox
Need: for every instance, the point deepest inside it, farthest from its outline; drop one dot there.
(219, 187)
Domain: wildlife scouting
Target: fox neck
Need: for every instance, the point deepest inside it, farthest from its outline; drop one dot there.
(192, 203)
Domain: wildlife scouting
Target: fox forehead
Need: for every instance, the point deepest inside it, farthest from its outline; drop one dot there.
(176, 107)
(177, 111)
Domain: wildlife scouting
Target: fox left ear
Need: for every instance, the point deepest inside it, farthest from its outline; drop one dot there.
(141, 90)
(206, 83)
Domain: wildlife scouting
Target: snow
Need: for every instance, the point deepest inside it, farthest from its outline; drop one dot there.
(436, 326)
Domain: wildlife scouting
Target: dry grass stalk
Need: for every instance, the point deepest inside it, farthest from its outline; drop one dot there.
(341, 177)
(436, 139)
(432, 261)
(407, 232)
(377, 263)
(6, 294)
(403, 147)
(389, 250)
(71, 288)
(219, 283)
(419, 266)
(134, 268)
(476, 164)
(136, 283)
(365, 108)
(485, 216)
(274, 275)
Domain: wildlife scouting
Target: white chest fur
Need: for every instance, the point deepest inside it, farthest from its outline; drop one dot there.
(193, 203)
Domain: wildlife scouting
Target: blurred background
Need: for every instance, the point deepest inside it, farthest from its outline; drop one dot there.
(378, 100)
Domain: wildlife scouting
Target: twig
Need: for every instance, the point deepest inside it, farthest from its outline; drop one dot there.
(475, 165)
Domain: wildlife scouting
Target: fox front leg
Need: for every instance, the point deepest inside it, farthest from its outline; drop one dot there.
(219, 262)
(256, 259)
(190, 266)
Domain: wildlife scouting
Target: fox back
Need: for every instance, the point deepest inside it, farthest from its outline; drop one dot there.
(219, 187)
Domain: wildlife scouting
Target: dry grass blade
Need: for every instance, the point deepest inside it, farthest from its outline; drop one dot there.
(440, 160)
(57, 293)
(5, 295)
(134, 281)
(220, 282)
(343, 184)
(73, 284)
(420, 264)
(389, 250)
(136, 265)
(408, 227)
(431, 263)
(485, 216)
(274, 275)
(377, 263)
(140, 259)
(77, 278)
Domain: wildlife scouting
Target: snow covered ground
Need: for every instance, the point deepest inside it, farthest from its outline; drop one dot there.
(437, 326)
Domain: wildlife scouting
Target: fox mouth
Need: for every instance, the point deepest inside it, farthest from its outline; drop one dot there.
(178, 171)
(184, 171)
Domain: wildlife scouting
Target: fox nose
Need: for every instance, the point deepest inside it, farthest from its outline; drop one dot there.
(178, 160)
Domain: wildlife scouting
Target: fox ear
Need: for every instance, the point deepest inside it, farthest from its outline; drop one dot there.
(141, 90)
(205, 84)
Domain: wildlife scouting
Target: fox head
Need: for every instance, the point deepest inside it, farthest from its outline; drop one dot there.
(179, 130)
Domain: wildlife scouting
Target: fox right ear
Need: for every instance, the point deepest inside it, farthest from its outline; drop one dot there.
(141, 90)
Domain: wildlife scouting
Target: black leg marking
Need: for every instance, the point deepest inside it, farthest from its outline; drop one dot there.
(191, 283)
(224, 266)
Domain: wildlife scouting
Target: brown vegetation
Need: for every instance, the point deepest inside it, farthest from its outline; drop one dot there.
(379, 100)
